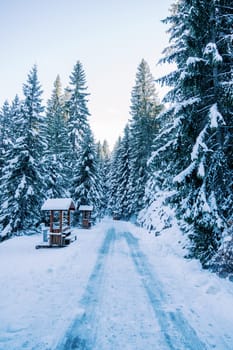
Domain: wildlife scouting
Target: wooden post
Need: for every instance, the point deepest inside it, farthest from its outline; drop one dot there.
(68, 217)
(60, 220)
(51, 220)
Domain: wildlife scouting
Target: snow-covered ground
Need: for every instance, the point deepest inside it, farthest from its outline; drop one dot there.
(116, 287)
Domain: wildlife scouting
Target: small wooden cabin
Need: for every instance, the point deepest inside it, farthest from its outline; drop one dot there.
(116, 215)
(86, 211)
(59, 227)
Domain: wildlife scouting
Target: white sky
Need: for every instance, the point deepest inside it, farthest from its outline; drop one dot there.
(109, 37)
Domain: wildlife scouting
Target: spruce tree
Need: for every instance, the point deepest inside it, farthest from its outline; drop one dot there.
(8, 131)
(22, 180)
(159, 189)
(124, 171)
(143, 128)
(114, 180)
(5, 127)
(77, 110)
(4, 120)
(103, 157)
(199, 137)
(86, 184)
(56, 127)
(57, 144)
(85, 181)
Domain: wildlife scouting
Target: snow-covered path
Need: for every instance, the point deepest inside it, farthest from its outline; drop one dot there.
(116, 287)
(124, 305)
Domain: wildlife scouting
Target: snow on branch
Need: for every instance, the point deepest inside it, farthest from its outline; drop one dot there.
(6, 230)
(211, 50)
(202, 201)
(201, 169)
(191, 101)
(199, 143)
(168, 130)
(215, 117)
(186, 172)
(20, 187)
(193, 60)
(161, 149)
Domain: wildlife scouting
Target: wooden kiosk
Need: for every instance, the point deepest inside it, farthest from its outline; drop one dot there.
(86, 211)
(59, 226)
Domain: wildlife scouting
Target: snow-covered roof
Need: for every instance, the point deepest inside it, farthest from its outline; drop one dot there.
(58, 204)
(86, 208)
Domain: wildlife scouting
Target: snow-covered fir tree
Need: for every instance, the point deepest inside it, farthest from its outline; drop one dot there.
(4, 122)
(56, 128)
(123, 172)
(114, 179)
(6, 132)
(197, 142)
(5, 138)
(159, 188)
(57, 144)
(86, 184)
(143, 127)
(77, 110)
(15, 110)
(22, 181)
(103, 157)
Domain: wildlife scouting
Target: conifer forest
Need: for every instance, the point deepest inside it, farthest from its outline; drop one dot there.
(178, 151)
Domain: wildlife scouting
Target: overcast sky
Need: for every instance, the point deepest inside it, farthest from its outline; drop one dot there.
(109, 37)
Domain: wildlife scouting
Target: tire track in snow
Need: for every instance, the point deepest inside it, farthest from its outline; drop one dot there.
(82, 333)
(179, 335)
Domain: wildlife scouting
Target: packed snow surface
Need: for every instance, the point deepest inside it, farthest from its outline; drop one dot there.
(116, 287)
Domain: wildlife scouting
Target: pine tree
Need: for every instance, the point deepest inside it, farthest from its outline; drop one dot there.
(143, 128)
(159, 189)
(124, 171)
(5, 127)
(22, 180)
(15, 110)
(200, 134)
(56, 127)
(86, 185)
(6, 140)
(77, 110)
(114, 180)
(103, 157)
(57, 144)
(3, 138)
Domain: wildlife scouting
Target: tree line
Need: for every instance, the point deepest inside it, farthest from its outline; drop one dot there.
(176, 154)
(46, 152)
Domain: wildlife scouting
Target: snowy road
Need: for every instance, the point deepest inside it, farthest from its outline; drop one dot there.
(115, 288)
(123, 287)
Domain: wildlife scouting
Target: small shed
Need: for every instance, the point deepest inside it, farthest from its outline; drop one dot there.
(116, 215)
(86, 211)
(60, 209)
